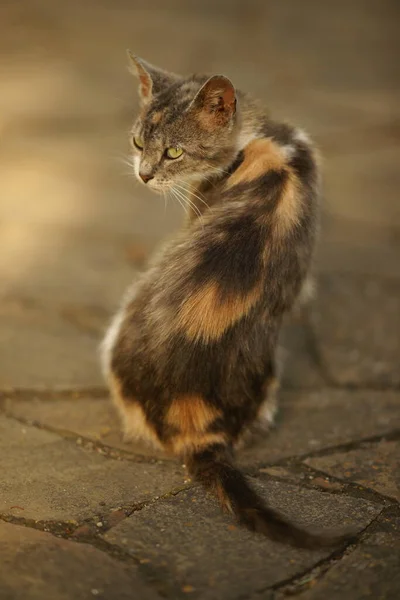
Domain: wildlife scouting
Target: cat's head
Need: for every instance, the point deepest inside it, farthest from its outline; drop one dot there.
(187, 129)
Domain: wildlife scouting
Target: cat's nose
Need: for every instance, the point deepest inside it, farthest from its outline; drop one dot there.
(146, 178)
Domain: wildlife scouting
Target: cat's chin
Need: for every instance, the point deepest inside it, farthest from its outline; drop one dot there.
(162, 189)
(154, 187)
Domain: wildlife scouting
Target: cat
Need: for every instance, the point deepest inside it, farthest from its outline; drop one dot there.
(190, 356)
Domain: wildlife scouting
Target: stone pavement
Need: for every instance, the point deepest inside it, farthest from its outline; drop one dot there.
(82, 514)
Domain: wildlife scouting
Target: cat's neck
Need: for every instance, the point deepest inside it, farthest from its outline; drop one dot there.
(251, 116)
(207, 191)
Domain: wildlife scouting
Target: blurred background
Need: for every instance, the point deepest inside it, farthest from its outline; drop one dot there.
(76, 227)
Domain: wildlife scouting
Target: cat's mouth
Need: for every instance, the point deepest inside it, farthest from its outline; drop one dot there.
(152, 183)
(158, 186)
(169, 187)
(182, 193)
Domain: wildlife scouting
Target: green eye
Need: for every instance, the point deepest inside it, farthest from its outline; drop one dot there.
(138, 142)
(174, 152)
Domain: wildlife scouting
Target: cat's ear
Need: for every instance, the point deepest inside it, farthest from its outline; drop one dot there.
(151, 79)
(215, 102)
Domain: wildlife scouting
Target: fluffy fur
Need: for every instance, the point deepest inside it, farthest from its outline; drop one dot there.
(190, 357)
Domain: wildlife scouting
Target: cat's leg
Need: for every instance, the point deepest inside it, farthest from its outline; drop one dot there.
(108, 342)
(266, 414)
(305, 297)
(113, 330)
(307, 292)
(269, 406)
(135, 425)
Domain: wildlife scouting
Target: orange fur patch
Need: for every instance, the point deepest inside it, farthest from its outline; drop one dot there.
(181, 444)
(287, 212)
(191, 416)
(135, 424)
(260, 156)
(205, 316)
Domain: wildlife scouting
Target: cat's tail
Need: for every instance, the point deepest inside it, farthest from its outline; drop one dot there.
(213, 467)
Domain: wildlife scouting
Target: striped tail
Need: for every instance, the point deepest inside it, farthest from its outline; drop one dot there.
(214, 469)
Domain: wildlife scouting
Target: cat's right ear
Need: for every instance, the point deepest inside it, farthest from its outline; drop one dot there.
(215, 102)
(151, 79)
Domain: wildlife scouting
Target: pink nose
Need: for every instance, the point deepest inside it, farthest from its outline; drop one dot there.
(145, 178)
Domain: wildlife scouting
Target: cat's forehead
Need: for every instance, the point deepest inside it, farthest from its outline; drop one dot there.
(171, 123)
(177, 96)
(168, 112)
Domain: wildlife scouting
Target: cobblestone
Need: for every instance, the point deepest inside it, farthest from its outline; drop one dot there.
(356, 325)
(53, 479)
(38, 566)
(376, 466)
(314, 420)
(370, 571)
(200, 548)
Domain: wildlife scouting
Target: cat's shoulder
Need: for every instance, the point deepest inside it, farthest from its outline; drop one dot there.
(275, 148)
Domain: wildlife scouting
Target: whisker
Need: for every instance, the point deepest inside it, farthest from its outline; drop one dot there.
(188, 187)
(219, 169)
(127, 162)
(183, 198)
(124, 160)
(164, 193)
(175, 195)
(193, 193)
(189, 203)
(210, 181)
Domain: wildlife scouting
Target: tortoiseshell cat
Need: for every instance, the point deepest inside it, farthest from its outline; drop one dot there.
(190, 356)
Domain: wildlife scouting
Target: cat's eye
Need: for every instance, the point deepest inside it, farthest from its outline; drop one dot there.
(174, 152)
(138, 142)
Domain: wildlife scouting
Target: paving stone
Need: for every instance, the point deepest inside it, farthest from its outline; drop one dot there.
(376, 467)
(52, 479)
(311, 420)
(42, 269)
(201, 548)
(294, 475)
(348, 246)
(353, 186)
(37, 566)
(370, 571)
(92, 418)
(364, 259)
(40, 349)
(356, 321)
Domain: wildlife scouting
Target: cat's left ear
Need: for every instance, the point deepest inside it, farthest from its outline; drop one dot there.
(215, 101)
(152, 80)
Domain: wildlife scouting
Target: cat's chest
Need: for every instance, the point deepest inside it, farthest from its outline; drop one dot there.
(213, 195)
(208, 197)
